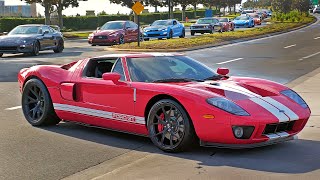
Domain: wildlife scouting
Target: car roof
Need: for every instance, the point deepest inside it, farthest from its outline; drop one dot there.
(118, 21)
(33, 25)
(138, 55)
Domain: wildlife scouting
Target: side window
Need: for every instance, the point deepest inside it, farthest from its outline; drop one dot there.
(97, 67)
(128, 25)
(133, 25)
(51, 30)
(118, 68)
(45, 28)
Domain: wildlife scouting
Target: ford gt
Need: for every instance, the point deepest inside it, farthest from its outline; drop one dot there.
(173, 99)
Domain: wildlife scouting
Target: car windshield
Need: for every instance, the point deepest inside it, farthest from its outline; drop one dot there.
(112, 25)
(168, 69)
(25, 30)
(241, 18)
(254, 15)
(223, 19)
(205, 21)
(161, 23)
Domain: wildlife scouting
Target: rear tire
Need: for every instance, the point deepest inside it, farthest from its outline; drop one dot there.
(37, 105)
(60, 47)
(169, 126)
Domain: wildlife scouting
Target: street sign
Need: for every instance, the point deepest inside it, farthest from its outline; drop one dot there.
(315, 2)
(137, 8)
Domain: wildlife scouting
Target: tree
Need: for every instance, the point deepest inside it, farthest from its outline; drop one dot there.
(48, 8)
(301, 5)
(282, 6)
(103, 13)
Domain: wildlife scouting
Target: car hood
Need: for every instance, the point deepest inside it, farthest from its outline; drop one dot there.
(155, 27)
(106, 32)
(240, 21)
(16, 38)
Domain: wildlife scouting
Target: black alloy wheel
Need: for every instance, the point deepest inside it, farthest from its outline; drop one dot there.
(60, 46)
(37, 106)
(121, 39)
(170, 35)
(36, 49)
(169, 126)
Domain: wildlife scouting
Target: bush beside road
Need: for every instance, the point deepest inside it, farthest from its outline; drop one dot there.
(212, 39)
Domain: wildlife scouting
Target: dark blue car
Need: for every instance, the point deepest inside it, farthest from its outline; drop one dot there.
(164, 29)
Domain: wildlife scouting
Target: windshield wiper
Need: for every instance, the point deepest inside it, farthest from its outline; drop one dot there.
(213, 78)
(176, 80)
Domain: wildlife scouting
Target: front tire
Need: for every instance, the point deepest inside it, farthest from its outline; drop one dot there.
(121, 39)
(192, 33)
(183, 35)
(36, 49)
(1, 54)
(170, 35)
(169, 126)
(37, 105)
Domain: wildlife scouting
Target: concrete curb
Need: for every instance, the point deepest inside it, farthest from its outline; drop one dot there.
(213, 45)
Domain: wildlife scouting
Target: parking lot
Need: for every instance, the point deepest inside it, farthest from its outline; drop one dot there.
(76, 152)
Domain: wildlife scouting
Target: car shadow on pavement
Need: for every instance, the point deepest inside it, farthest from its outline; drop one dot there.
(294, 157)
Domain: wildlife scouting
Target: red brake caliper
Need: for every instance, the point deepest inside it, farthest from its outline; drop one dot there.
(161, 126)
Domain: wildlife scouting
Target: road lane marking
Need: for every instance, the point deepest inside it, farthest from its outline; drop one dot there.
(293, 45)
(13, 108)
(307, 57)
(225, 62)
(317, 38)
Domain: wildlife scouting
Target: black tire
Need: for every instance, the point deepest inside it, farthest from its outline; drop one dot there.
(192, 33)
(93, 45)
(121, 39)
(212, 31)
(183, 35)
(170, 127)
(170, 35)
(37, 105)
(146, 39)
(36, 49)
(60, 47)
(1, 54)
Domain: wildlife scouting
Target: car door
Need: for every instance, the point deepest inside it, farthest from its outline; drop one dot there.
(111, 102)
(135, 31)
(176, 28)
(128, 32)
(48, 37)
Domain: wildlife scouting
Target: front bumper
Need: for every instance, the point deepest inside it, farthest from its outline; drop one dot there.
(155, 34)
(14, 49)
(106, 41)
(269, 142)
(242, 25)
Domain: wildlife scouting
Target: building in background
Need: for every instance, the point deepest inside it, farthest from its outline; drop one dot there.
(18, 10)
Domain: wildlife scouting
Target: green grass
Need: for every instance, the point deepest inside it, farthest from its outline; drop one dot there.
(75, 35)
(181, 43)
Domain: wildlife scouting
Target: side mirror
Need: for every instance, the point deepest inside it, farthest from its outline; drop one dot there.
(45, 32)
(223, 71)
(114, 77)
(5, 33)
(98, 28)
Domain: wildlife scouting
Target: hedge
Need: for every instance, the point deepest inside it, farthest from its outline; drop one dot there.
(92, 22)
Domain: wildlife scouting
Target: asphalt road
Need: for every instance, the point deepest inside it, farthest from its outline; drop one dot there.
(57, 152)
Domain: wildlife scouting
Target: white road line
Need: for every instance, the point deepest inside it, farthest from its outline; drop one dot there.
(307, 57)
(317, 37)
(13, 108)
(225, 62)
(293, 45)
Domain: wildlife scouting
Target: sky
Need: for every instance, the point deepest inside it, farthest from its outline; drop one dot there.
(96, 5)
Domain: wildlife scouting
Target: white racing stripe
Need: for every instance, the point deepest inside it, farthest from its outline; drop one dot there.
(273, 110)
(293, 116)
(99, 113)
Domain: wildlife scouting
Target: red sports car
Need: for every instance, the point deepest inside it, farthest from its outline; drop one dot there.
(227, 24)
(171, 98)
(115, 32)
(256, 18)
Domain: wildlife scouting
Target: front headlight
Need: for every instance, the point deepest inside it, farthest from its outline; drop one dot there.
(295, 97)
(226, 105)
(247, 21)
(90, 36)
(163, 29)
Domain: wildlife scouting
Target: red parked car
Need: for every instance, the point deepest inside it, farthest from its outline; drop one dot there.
(256, 18)
(115, 32)
(227, 24)
(171, 98)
